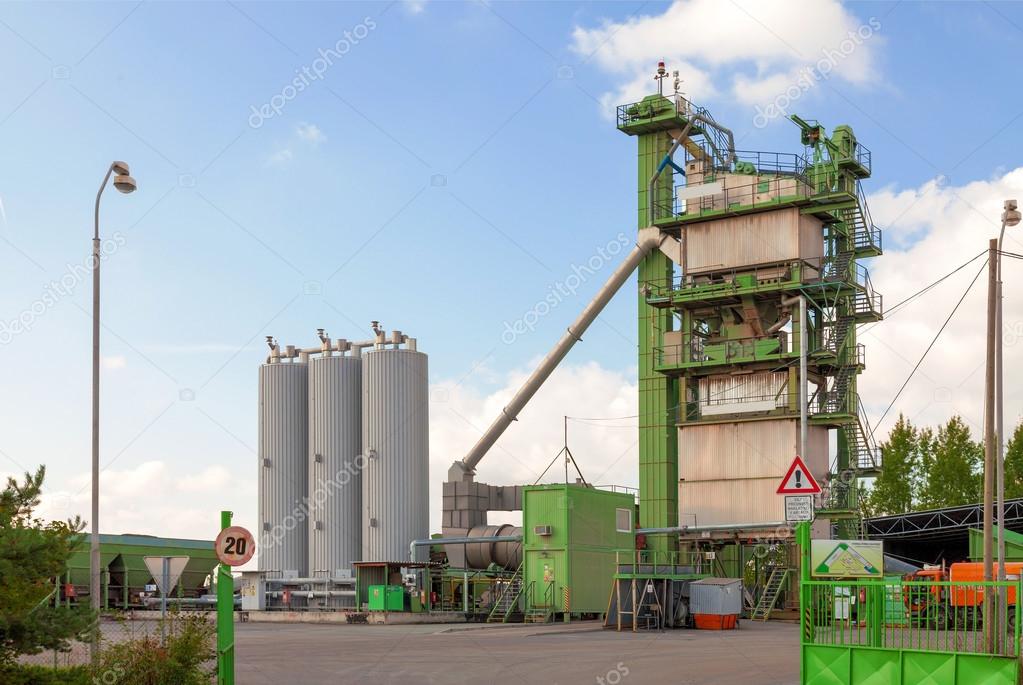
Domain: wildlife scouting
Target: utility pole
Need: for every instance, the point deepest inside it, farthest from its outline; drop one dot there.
(990, 446)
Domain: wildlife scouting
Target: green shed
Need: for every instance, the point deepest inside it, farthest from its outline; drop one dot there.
(1013, 544)
(570, 536)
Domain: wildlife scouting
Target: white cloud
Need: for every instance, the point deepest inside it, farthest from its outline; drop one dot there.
(310, 133)
(282, 156)
(931, 230)
(758, 48)
(414, 6)
(606, 451)
(304, 134)
(211, 479)
(115, 362)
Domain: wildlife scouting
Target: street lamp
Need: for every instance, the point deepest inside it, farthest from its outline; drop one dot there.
(1010, 217)
(126, 184)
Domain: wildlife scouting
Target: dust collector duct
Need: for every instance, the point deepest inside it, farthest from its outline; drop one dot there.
(508, 555)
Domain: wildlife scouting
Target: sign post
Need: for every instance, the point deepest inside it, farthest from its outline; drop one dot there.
(234, 547)
(166, 571)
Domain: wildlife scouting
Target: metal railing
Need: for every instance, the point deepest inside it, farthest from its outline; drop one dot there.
(636, 112)
(862, 156)
(641, 562)
(697, 350)
(934, 616)
(758, 192)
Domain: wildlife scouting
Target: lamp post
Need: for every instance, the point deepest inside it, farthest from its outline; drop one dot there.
(126, 184)
(1010, 217)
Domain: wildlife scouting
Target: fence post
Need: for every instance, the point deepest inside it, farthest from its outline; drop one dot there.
(225, 616)
(806, 635)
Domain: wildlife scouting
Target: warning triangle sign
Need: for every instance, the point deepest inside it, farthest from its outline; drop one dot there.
(798, 480)
(175, 567)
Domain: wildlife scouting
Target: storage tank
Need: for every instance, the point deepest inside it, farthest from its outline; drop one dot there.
(335, 465)
(283, 471)
(395, 488)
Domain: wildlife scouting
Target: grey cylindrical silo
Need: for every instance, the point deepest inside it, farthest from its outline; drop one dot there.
(335, 476)
(283, 472)
(395, 433)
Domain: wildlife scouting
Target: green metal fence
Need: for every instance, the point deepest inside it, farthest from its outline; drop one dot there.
(890, 631)
(900, 632)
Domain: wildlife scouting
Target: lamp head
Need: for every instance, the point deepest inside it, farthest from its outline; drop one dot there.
(120, 168)
(1011, 216)
(125, 183)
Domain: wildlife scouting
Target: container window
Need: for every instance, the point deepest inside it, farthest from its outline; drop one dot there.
(623, 520)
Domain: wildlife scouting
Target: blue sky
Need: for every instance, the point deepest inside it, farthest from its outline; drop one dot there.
(450, 167)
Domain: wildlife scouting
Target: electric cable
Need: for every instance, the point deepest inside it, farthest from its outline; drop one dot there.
(936, 336)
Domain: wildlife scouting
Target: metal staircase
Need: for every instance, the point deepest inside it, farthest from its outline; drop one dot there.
(539, 614)
(866, 237)
(769, 597)
(507, 603)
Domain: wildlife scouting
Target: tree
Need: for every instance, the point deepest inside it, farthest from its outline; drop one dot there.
(893, 491)
(950, 466)
(32, 555)
(1014, 464)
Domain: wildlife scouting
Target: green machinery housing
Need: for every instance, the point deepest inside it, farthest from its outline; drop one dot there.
(571, 535)
(716, 306)
(125, 574)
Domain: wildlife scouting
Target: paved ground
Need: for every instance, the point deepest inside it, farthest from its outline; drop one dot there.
(303, 654)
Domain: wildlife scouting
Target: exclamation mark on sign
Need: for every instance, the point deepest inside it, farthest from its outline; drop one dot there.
(799, 479)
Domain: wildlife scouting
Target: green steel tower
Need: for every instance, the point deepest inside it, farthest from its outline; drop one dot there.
(747, 320)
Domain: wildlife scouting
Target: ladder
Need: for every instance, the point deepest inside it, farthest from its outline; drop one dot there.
(769, 597)
(507, 602)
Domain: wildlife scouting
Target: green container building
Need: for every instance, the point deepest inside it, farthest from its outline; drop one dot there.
(570, 536)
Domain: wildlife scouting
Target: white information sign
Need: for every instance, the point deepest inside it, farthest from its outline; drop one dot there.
(798, 508)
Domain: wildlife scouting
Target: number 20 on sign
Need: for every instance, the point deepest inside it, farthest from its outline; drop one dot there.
(235, 546)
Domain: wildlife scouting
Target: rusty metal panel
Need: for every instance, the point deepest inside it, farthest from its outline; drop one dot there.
(748, 449)
(723, 502)
(763, 238)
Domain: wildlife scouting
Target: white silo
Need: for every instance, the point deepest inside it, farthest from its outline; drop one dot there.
(395, 487)
(283, 471)
(335, 463)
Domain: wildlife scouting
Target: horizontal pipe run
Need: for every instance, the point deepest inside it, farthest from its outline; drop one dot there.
(459, 541)
(710, 529)
(309, 581)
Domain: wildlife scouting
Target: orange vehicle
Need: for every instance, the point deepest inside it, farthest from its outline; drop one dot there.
(942, 604)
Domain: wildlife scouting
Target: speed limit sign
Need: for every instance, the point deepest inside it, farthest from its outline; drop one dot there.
(235, 546)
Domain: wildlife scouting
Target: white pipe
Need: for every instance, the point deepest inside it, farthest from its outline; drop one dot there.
(803, 390)
(649, 239)
(708, 529)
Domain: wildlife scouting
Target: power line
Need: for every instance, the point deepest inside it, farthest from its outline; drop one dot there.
(936, 336)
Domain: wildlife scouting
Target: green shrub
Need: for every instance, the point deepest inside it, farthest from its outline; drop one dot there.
(187, 658)
(40, 675)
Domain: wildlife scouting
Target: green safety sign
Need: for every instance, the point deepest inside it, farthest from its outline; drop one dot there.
(847, 558)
